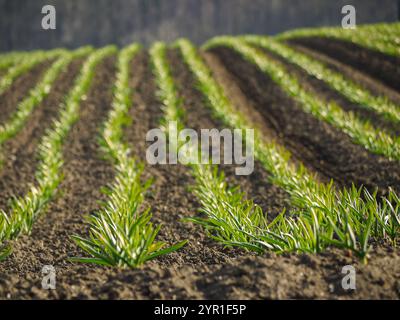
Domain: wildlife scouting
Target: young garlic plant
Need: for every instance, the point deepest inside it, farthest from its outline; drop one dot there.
(325, 216)
(38, 94)
(21, 64)
(379, 37)
(121, 234)
(25, 210)
(337, 81)
(361, 132)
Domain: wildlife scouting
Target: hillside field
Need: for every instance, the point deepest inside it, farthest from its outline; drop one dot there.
(77, 193)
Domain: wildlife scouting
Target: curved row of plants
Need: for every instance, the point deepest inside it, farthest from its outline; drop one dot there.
(20, 64)
(7, 60)
(376, 37)
(121, 233)
(361, 131)
(226, 207)
(25, 210)
(346, 87)
(38, 94)
(323, 216)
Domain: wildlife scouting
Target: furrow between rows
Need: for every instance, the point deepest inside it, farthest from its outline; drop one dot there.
(325, 218)
(27, 64)
(10, 98)
(26, 210)
(169, 196)
(19, 154)
(320, 146)
(375, 64)
(256, 186)
(332, 86)
(364, 80)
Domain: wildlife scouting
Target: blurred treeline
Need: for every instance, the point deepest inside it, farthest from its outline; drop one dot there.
(100, 22)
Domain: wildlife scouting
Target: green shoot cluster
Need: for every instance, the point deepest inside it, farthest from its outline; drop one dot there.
(24, 64)
(323, 216)
(24, 211)
(337, 81)
(361, 132)
(379, 37)
(120, 234)
(38, 94)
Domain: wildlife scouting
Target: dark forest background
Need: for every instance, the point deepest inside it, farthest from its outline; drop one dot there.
(100, 22)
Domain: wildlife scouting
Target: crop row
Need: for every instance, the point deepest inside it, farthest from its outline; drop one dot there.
(26, 64)
(24, 211)
(121, 232)
(337, 81)
(323, 216)
(383, 32)
(225, 206)
(38, 94)
(121, 235)
(380, 38)
(8, 60)
(361, 132)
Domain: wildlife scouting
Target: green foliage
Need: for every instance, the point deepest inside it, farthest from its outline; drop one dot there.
(230, 219)
(111, 140)
(8, 60)
(37, 94)
(323, 216)
(167, 92)
(120, 234)
(22, 63)
(361, 132)
(25, 210)
(382, 37)
(5, 252)
(337, 81)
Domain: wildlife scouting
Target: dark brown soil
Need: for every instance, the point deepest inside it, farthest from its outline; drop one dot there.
(249, 277)
(320, 146)
(376, 64)
(326, 93)
(84, 174)
(256, 186)
(367, 82)
(169, 197)
(19, 90)
(17, 172)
